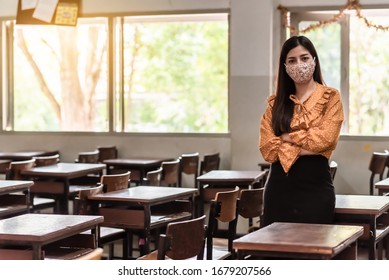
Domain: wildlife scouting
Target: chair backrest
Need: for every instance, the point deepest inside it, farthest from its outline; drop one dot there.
(153, 178)
(13, 171)
(333, 169)
(108, 152)
(81, 203)
(377, 166)
(210, 162)
(189, 165)
(114, 182)
(88, 157)
(96, 254)
(222, 209)
(250, 204)
(226, 201)
(170, 171)
(183, 240)
(46, 160)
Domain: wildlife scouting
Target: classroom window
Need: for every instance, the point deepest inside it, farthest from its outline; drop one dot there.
(355, 61)
(162, 74)
(173, 74)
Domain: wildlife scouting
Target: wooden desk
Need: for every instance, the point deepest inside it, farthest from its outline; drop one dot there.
(146, 208)
(138, 166)
(366, 210)
(63, 172)
(37, 230)
(382, 186)
(227, 178)
(300, 241)
(25, 155)
(12, 204)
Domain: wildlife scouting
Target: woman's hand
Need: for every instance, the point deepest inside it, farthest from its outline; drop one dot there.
(286, 137)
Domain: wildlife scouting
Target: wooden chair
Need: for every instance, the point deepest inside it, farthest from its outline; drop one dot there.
(223, 209)
(107, 152)
(189, 165)
(15, 167)
(377, 166)
(87, 180)
(44, 193)
(153, 178)
(333, 169)
(107, 235)
(210, 162)
(88, 157)
(250, 206)
(47, 160)
(182, 240)
(36, 203)
(96, 254)
(170, 173)
(115, 182)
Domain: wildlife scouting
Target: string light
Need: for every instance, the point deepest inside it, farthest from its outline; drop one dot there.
(351, 5)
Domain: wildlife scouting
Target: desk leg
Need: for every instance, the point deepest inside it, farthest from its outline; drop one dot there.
(349, 253)
(37, 252)
(372, 238)
(144, 247)
(64, 200)
(200, 200)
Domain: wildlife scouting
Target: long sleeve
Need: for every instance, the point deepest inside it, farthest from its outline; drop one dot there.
(272, 147)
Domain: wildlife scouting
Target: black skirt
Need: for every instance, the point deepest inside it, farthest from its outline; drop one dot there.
(303, 195)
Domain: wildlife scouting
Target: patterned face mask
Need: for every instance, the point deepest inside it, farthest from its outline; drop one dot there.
(302, 72)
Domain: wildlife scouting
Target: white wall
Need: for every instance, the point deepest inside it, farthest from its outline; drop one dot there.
(254, 48)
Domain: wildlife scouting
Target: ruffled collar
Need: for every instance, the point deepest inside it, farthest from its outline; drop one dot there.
(310, 109)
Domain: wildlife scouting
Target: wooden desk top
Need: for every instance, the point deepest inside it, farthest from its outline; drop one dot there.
(145, 194)
(25, 155)
(8, 186)
(382, 184)
(300, 238)
(361, 204)
(231, 176)
(44, 228)
(64, 170)
(136, 161)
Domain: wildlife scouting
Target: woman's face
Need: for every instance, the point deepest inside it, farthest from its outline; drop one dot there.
(297, 55)
(300, 65)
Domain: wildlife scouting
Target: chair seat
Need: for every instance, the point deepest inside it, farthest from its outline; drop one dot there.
(64, 253)
(40, 203)
(74, 189)
(106, 232)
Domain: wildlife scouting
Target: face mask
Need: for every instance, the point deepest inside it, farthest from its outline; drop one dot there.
(302, 72)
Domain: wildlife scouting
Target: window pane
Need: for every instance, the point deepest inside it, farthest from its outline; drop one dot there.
(60, 77)
(175, 73)
(367, 94)
(369, 81)
(327, 43)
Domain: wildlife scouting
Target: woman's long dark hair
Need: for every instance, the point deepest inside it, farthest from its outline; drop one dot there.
(283, 107)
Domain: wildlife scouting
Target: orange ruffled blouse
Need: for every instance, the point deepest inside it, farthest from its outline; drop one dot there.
(315, 127)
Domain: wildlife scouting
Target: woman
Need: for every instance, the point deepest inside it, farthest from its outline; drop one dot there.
(298, 133)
